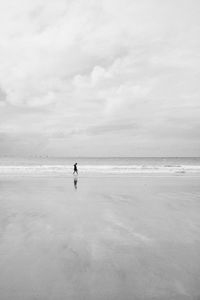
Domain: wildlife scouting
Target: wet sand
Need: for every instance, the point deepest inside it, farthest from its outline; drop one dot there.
(111, 238)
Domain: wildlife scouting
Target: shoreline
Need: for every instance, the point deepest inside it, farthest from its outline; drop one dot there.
(95, 175)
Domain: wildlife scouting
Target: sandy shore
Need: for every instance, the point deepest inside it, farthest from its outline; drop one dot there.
(111, 238)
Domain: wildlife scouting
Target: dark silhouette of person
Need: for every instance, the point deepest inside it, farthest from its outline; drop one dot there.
(75, 183)
(75, 169)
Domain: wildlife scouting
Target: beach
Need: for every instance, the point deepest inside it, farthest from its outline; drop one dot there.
(99, 238)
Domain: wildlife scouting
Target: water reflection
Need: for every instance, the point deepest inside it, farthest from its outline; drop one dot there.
(75, 182)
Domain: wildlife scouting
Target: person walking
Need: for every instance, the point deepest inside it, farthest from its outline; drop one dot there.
(75, 169)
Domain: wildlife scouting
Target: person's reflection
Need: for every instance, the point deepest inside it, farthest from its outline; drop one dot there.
(75, 182)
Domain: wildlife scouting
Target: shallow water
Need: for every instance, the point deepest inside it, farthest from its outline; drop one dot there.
(101, 238)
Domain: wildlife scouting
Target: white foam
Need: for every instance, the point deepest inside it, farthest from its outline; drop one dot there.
(97, 169)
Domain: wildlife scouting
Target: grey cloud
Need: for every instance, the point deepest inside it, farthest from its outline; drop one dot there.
(111, 128)
(105, 129)
(36, 11)
(3, 95)
(22, 144)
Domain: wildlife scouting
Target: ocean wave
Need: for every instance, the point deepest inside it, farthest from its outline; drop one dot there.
(97, 169)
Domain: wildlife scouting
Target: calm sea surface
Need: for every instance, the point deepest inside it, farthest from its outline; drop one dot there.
(100, 161)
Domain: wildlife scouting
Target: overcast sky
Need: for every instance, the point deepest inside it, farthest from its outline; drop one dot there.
(100, 77)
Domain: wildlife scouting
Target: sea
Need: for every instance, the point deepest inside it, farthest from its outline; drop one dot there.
(97, 166)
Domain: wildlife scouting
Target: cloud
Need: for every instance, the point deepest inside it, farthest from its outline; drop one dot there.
(73, 70)
(3, 96)
(103, 129)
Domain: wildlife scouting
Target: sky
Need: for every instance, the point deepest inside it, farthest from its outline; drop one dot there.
(100, 77)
